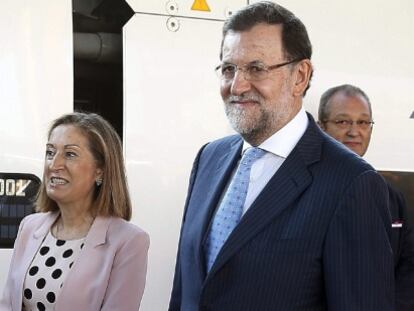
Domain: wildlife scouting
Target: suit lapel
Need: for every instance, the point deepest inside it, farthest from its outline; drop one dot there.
(292, 178)
(212, 189)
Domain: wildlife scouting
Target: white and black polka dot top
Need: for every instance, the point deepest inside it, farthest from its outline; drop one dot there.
(48, 271)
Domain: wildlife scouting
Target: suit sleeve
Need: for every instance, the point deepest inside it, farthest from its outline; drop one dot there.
(127, 279)
(6, 300)
(357, 259)
(175, 300)
(404, 270)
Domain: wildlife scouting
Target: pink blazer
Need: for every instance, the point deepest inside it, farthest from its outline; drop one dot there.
(109, 273)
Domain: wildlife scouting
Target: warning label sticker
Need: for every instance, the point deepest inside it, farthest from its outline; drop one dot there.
(200, 5)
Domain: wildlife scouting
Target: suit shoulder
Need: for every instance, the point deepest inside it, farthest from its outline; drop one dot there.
(339, 156)
(221, 145)
(224, 141)
(124, 230)
(330, 156)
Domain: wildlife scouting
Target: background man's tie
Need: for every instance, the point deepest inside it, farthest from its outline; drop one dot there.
(230, 210)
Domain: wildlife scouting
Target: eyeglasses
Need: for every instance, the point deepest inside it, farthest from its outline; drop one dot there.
(346, 124)
(255, 71)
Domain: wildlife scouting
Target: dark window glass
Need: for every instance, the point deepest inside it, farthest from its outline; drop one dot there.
(17, 195)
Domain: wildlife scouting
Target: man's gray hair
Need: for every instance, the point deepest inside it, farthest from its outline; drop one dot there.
(346, 89)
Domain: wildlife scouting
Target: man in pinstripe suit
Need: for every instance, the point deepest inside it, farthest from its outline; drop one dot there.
(313, 231)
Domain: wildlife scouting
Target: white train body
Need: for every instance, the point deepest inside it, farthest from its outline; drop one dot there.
(171, 99)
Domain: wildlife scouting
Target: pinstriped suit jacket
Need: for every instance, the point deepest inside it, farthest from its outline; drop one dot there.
(316, 238)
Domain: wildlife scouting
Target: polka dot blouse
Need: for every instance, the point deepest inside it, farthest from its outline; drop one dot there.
(47, 273)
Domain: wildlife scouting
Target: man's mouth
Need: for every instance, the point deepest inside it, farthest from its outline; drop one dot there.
(243, 103)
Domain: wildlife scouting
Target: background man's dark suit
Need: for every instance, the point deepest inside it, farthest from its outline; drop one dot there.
(316, 237)
(402, 242)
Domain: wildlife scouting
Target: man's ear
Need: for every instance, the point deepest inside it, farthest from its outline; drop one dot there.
(303, 73)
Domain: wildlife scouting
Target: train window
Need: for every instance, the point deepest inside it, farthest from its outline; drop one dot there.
(17, 194)
(404, 182)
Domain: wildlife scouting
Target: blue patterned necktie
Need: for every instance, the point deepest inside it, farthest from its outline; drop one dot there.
(230, 210)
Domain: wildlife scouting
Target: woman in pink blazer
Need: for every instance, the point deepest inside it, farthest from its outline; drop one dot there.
(79, 252)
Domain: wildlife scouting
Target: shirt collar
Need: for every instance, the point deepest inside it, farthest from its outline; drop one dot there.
(284, 140)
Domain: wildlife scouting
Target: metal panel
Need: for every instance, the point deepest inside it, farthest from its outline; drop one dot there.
(172, 107)
(36, 78)
(208, 9)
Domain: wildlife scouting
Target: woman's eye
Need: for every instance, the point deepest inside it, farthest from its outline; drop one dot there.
(70, 154)
(49, 154)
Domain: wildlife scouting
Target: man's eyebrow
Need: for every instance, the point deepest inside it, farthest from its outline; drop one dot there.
(342, 115)
(256, 61)
(345, 115)
(253, 62)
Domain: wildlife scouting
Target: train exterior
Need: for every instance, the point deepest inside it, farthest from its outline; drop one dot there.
(171, 102)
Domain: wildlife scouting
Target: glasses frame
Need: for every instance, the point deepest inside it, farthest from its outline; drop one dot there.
(247, 75)
(349, 123)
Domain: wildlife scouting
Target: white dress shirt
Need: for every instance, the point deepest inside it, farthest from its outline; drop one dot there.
(278, 147)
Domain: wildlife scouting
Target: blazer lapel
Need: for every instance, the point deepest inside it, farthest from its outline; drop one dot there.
(224, 167)
(38, 237)
(212, 188)
(96, 236)
(292, 178)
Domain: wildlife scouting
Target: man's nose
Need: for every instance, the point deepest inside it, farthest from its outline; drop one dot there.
(239, 84)
(353, 129)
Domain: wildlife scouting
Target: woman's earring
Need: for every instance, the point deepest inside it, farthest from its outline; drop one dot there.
(98, 181)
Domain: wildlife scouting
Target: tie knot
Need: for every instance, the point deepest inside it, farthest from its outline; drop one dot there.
(251, 155)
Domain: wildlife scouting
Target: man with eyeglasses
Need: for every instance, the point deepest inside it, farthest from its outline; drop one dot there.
(345, 113)
(279, 217)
